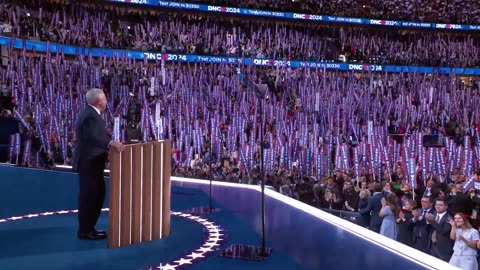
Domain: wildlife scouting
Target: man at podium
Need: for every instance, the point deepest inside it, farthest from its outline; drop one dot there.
(89, 158)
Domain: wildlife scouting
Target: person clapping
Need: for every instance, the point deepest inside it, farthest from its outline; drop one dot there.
(466, 242)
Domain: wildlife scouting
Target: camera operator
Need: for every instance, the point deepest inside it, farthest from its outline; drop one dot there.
(134, 110)
(133, 120)
(134, 132)
(30, 133)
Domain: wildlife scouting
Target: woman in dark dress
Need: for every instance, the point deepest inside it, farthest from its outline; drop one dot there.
(405, 225)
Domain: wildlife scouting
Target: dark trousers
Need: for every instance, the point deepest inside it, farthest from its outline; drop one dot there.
(421, 244)
(434, 251)
(375, 227)
(92, 194)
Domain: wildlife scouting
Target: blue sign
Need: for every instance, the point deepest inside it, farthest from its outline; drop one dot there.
(299, 16)
(139, 55)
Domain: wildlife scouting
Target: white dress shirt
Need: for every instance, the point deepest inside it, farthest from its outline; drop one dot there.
(97, 110)
(440, 216)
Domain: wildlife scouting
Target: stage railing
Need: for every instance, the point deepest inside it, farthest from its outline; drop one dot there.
(346, 215)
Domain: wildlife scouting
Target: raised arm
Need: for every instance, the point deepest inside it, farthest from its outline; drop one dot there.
(383, 212)
(453, 234)
(443, 228)
(367, 209)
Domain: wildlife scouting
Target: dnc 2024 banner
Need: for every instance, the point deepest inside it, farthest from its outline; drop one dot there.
(300, 16)
(153, 56)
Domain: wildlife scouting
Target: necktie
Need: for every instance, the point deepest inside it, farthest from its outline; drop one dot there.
(423, 215)
(434, 233)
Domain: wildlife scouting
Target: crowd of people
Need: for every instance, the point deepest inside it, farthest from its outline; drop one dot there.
(438, 218)
(191, 33)
(443, 11)
(338, 140)
(211, 115)
(297, 126)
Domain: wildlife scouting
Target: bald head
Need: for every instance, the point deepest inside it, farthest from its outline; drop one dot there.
(96, 98)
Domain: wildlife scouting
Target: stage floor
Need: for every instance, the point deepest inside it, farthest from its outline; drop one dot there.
(48, 241)
(302, 237)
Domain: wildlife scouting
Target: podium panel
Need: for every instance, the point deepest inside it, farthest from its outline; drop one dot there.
(139, 193)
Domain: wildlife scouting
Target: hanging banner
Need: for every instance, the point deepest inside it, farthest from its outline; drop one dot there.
(18, 144)
(317, 102)
(158, 121)
(11, 147)
(412, 172)
(370, 131)
(151, 89)
(116, 129)
(356, 162)
(164, 73)
(26, 152)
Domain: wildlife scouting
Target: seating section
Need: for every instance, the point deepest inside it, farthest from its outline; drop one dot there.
(316, 122)
(189, 33)
(424, 11)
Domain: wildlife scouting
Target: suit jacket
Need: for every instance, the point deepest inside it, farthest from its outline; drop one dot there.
(405, 229)
(421, 230)
(374, 206)
(444, 243)
(92, 138)
(364, 219)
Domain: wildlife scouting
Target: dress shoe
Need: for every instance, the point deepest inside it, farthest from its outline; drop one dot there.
(91, 236)
(101, 232)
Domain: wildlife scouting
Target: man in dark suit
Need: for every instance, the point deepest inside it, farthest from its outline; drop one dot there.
(461, 202)
(89, 160)
(441, 245)
(421, 228)
(374, 206)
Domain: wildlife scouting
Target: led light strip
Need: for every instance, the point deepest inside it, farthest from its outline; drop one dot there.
(151, 191)
(213, 237)
(130, 214)
(141, 192)
(161, 189)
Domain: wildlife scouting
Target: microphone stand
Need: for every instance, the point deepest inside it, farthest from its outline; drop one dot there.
(263, 251)
(249, 252)
(210, 174)
(202, 210)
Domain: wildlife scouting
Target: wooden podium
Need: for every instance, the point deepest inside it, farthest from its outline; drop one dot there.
(139, 193)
